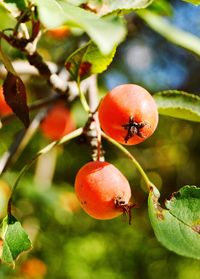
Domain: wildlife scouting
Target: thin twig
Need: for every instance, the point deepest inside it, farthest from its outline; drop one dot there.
(93, 93)
(24, 68)
(20, 142)
(83, 99)
(28, 47)
(148, 183)
(34, 106)
(7, 156)
(44, 150)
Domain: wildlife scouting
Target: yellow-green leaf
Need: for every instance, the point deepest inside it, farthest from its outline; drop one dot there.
(88, 60)
(178, 104)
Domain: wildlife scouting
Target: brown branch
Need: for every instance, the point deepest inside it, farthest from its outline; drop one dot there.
(28, 47)
(92, 129)
(37, 61)
(23, 67)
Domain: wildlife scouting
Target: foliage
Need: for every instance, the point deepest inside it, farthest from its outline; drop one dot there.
(15, 240)
(42, 198)
(178, 104)
(177, 227)
(88, 60)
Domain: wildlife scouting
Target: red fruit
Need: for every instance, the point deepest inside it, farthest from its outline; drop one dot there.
(4, 108)
(102, 190)
(128, 114)
(34, 269)
(59, 33)
(57, 123)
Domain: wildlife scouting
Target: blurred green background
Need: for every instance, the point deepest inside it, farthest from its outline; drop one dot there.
(66, 242)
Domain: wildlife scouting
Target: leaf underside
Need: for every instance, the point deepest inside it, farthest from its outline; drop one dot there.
(178, 104)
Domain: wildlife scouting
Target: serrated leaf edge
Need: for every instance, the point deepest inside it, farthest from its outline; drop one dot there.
(126, 11)
(161, 210)
(176, 92)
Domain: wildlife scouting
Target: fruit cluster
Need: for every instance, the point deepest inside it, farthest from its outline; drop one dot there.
(129, 115)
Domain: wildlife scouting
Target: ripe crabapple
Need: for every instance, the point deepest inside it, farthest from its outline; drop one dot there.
(58, 122)
(4, 108)
(33, 269)
(103, 191)
(59, 33)
(128, 114)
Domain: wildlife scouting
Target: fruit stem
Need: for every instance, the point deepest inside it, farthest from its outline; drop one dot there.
(98, 131)
(92, 132)
(44, 150)
(83, 99)
(148, 183)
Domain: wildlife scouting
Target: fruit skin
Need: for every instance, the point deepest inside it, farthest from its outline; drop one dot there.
(57, 123)
(34, 268)
(59, 33)
(4, 108)
(122, 103)
(100, 188)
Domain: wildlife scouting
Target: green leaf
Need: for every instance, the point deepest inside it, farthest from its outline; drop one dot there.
(51, 13)
(15, 240)
(178, 226)
(162, 7)
(21, 4)
(178, 104)
(54, 13)
(99, 29)
(88, 60)
(195, 2)
(7, 21)
(170, 32)
(110, 6)
(185, 205)
(77, 2)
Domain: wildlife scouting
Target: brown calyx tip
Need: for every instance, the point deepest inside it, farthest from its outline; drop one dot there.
(196, 228)
(125, 207)
(134, 128)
